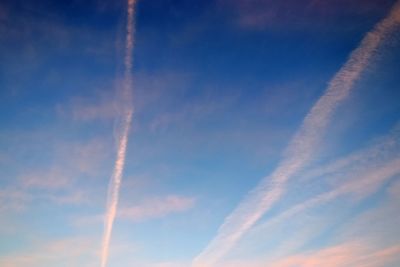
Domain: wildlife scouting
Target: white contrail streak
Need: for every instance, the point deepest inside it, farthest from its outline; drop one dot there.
(372, 177)
(126, 113)
(301, 148)
(382, 150)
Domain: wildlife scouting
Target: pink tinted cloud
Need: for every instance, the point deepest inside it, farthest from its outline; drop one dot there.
(394, 189)
(17, 200)
(51, 179)
(13, 200)
(74, 159)
(261, 14)
(157, 208)
(343, 255)
(68, 251)
(100, 106)
(76, 197)
(150, 208)
(85, 157)
(54, 183)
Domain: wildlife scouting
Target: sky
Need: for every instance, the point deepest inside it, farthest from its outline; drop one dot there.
(264, 133)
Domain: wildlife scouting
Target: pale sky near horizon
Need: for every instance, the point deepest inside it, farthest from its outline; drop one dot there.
(220, 89)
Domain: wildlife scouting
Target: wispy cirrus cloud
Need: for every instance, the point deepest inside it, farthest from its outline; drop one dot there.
(17, 200)
(373, 225)
(359, 185)
(73, 251)
(343, 255)
(68, 160)
(52, 178)
(271, 14)
(13, 200)
(148, 209)
(365, 179)
(100, 106)
(156, 208)
(302, 147)
(380, 150)
(340, 255)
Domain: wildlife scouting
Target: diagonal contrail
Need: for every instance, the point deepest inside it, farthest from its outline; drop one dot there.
(126, 113)
(373, 177)
(301, 148)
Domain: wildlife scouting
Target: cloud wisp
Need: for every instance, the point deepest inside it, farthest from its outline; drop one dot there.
(69, 251)
(122, 140)
(361, 184)
(149, 209)
(383, 149)
(340, 255)
(370, 177)
(347, 254)
(301, 148)
(157, 208)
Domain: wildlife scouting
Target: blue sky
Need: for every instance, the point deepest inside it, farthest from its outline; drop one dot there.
(243, 149)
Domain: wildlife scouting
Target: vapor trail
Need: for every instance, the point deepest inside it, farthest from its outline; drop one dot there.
(372, 177)
(125, 113)
(382, 150)
(301, 148)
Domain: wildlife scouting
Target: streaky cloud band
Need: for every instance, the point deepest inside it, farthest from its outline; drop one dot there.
(302, 147)
(126, 114)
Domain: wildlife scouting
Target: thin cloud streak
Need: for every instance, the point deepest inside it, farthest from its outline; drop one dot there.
(356, 186)
(348, 254)
(382, 150)
(361, 184)
(127, 113)
(67, 250)
(149, 209)
(157, 208)
(113, 194)
(340, 255)
(301, 149)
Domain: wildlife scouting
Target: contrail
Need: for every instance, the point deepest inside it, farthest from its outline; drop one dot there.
(382, 149)
(126, 113)
(372, 177)
(301, 148)
(375, 177)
